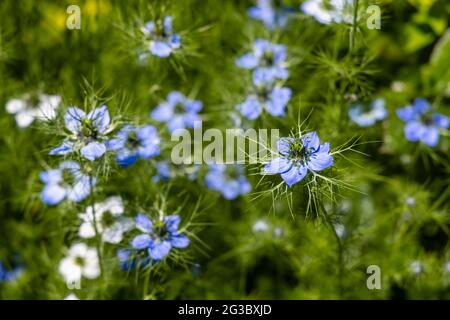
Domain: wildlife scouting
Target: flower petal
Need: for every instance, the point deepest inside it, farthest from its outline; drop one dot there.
(162, 112)
(277, 165)
(413, 131)
(65, 148)
(311, 140)
(142, 241)
(73, 118)
(160, 49)
(179, 241)
(100, 118)
(93, 150)
(172, 222)
(158, 251)
(143, 223)
(251, 108)
(53, 194)
(441, 121)
(430, 136)
(247, 61)
(294, 175)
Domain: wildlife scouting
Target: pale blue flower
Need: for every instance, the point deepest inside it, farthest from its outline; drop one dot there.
(270, 12)
(88, 133)
(366, 118)
(273, 101)
(297, 156)
(163, 41)
(229, 180)
(159, 237)
(328, 11)
(65, 182)
(422, 124)
(267, 61)
(178, 112)
(133, 143)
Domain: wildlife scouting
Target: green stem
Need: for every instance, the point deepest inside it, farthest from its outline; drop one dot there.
(146, 282)
(98, 238)
(354, 26)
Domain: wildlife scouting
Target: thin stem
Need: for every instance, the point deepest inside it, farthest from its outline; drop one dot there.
(340, 250)
(98, 238)
(354, 26)
(146, 282)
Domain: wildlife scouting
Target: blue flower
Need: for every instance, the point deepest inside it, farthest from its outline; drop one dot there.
(421, 123)
(163, 41)
(88, 133)
(297, 156)
(367, 118)
(159, 237)
(274, 101)
(11, 273)
(67, 181)
(271, 14)
(177, 112)
(230, 180)
(328, 11)
(129, 259)
(267, 60)
(163, 172)
(133, 143)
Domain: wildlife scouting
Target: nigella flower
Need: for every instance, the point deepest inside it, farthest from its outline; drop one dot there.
(88, 133)
(229, 180)
(12, 270)
(267, 60)
(421, 123)
(178, 112)
(270, 12)
(328, 11)
(160, 236)
(273, 100)
(81, 261)
(163, 172)
(67, 181)
(366, 118)
(133, 143)
(110, 223)
(163, 41)
(130, 259)
(30, 107)
(297, 156)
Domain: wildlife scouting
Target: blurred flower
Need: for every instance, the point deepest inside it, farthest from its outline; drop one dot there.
(229, 180)
(267, 60)
(177, 112)
(163, 41)
(278, 232)
(30, 107)
(340, 229)
(163, 172)
(410, 201)
(130, 259)
(416, 267)
(109, 221)
(367, 118)
(328, 11)
(159, 237)
(71, 296)
(81, 261)
(67, 181)
(89, 133)
(274, 101)
(260, 226)
(421, 124)
(133, 143)
(270, 12)
(299, 155)
(12, 272)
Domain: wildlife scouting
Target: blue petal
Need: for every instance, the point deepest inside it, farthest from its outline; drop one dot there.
(65, 148)
(262, 76)
(163, 112)
(179, 241)
(294, 175)
(176, 97)
(160, 49)
(93, 150)
(244, 185)
(251, 109)
(142, 241)
(407, 113)
(143, 223)
(149, 27)
(53, 194)
(430, 136)
(440, 120)
(167, 24)
(279, 99)
(100, 118)
(230, 190)
(311, 140)
(413, 131)
(193, 106)
(320, 160)
(81, 189)
(126, 159)
(247, 61)
(278, 165)
(421, 105)
(158, 251)
(284, 145)
(175, 41)
(73, 118)
(177, 122)
(50, 176)
(172, 222)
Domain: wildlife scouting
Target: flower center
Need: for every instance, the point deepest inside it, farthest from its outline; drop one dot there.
(132, 141)
(298, 153)
(268, 59)
(88, 129)
(79, 261)
(107, 219)
(179, 108)
(67, 177)
(160, 231)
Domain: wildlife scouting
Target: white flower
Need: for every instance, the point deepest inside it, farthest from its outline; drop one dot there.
(81, 261)
(416, 267)
(328, 11)
(25, 110)
(260, 226)
(108, 219)
(71, 296)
